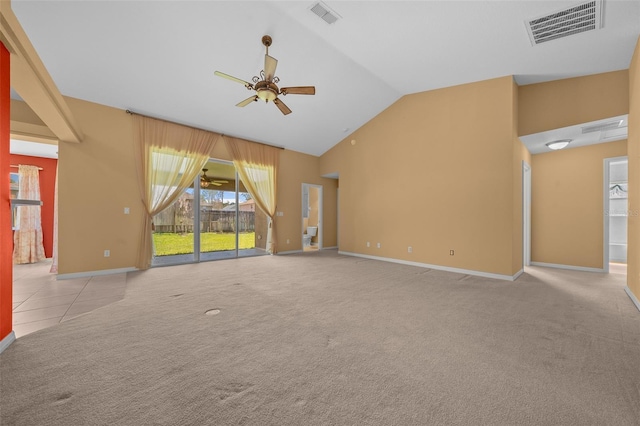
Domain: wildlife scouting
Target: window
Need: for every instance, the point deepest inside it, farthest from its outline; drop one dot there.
(14, 178)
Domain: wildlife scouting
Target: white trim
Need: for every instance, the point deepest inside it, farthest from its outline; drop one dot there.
(632, 297)
(320, 231)
(4, 343)
(288, 252)
(95, 273)
(517, 274)
(569, 267)
(605, 216)
(330, 248)
(526, 213)
(437, 267)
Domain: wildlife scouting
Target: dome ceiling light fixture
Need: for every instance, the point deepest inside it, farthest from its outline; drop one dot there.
(559, 144)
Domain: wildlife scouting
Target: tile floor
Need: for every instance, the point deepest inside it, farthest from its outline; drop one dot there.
(41, 301)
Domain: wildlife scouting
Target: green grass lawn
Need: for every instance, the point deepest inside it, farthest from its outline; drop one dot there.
(167, 244)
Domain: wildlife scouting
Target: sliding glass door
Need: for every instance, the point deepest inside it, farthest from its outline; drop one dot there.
(218, 212)
(213, 219)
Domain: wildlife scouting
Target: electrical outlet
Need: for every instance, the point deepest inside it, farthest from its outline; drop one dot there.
(368, 244)
(107, 253)
(410, 249)
(451, 252)
(126, 210)
(288, 241)
(378, 245)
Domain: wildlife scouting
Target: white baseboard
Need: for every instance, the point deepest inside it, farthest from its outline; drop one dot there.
(288, 252)
(95, 273)
(517, 274)
(632, 297)
(4, 343)
(437, 267)
(569, 267)
(330, 248)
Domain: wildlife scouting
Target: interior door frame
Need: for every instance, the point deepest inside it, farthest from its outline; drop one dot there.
(526, 214)
(320, 215)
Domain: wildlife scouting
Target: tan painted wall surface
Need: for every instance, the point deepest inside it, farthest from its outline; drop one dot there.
(633, 229)
(313, 210)
(97, 179)
(435, 172)
(571, 101)
(21, 112)
(295, 169)
(567, 204)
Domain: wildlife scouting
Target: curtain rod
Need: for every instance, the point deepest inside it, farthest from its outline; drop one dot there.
(13, 165)
(128, 111)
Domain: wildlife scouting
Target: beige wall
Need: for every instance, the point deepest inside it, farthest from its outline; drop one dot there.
(434, 171)
(296, 169)
(413, 177)
(567, 229)
(26, 125)
(97, 180)
(633, 229)
(572, 101)
(567, 204)
(313, 210)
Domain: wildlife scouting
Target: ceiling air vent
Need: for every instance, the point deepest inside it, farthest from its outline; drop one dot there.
(326, 14)
(609, 125)
(577, 19)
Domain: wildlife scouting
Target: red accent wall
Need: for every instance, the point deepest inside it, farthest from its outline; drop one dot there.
(6, 240)
(47, 193)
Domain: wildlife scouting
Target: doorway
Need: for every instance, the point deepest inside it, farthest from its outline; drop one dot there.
(616, 209)
(526, 214)
(311, 217)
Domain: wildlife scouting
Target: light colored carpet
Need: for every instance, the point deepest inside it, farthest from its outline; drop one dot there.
(324, 339)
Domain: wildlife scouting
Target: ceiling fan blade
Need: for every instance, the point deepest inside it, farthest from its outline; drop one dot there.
(232, 78)
(281, 106)
(220, 181)
(247, 101)
(214, 183)
(270, 64)
(302, 90)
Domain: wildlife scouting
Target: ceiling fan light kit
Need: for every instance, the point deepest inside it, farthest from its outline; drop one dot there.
(205, 180)
(265, 85)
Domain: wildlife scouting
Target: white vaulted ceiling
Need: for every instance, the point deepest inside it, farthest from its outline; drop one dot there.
(158, 57)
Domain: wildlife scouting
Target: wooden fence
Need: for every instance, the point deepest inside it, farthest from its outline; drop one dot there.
(214, 221)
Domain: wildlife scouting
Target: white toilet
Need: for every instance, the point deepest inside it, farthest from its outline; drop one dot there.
(306, 238)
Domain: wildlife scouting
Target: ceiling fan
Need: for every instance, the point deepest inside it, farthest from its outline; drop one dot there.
(205, 180)
(265, 85)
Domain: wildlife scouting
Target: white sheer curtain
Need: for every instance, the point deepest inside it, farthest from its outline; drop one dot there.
(169, 157)
(27, 239)
(257, 166)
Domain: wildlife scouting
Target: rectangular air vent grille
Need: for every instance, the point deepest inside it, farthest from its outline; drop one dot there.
(577, 19)
(602, 126)
(325, 13)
